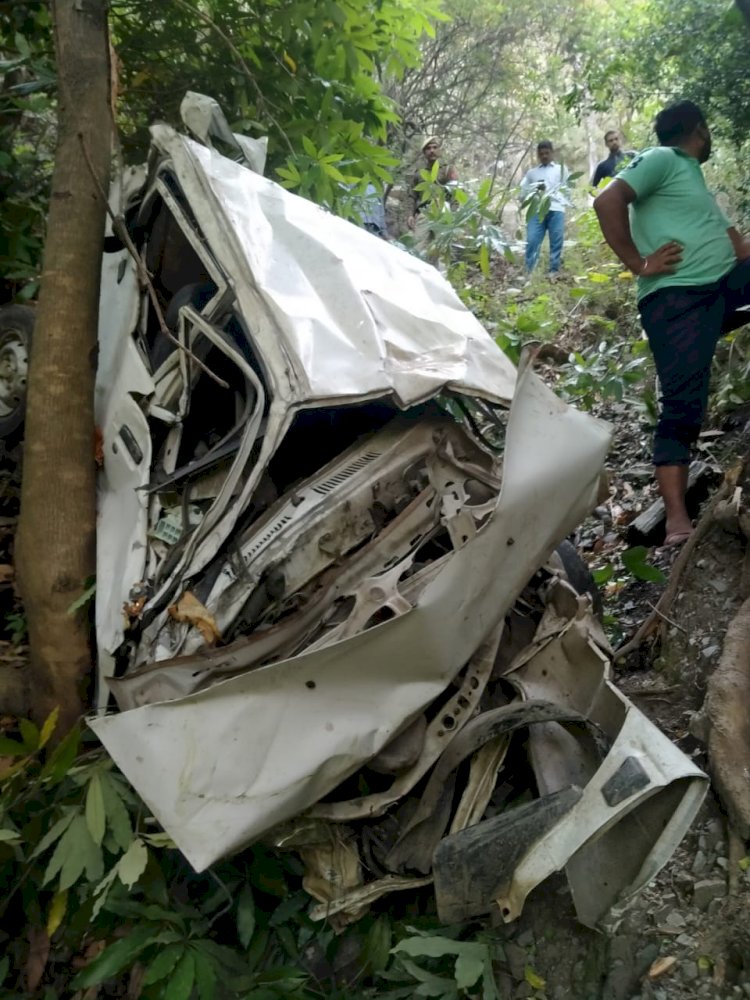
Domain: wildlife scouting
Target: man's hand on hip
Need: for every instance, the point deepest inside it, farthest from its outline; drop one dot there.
(662, 261)
(740, 243)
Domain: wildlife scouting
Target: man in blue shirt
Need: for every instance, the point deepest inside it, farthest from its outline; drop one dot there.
(548, 179)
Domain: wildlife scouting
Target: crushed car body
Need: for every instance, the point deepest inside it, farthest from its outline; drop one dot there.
(327, 506)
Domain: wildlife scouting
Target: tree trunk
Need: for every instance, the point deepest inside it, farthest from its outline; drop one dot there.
(744, 7)
(56, 538)
(729, 734)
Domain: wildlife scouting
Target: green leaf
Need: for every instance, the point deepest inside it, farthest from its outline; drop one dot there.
(115, 958)
(534, 980)
(181, 984)
(84, 599)
(65, 846)
(12, 748)
(118, 818)
(133, 863)
(333, 172)
(205, 976)
(430, 985)
(163, 964)
(527, 323)
(75, 853)
(604, 574)
(309, 147)
(54, 833)
(9, 836)
(158, 840)
(88, 853)
(49, 727)
(29, 734)
(101, 891)
(245, 916)
(433, 946)
(289, 173)
(469, 969)
(4, 969)
(378, 945)
(484, 260)
(61, 759)
(95, 814)
(22, 45)
(634, 561)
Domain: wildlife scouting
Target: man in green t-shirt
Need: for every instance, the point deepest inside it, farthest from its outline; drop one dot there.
(693, 271)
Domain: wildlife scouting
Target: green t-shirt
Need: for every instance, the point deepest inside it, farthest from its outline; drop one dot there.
(673, 203)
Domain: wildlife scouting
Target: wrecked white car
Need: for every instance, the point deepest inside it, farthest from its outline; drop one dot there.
(324, 601)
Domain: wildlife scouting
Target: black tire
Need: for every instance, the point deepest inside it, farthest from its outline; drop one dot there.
(16, 328)
(579, 575)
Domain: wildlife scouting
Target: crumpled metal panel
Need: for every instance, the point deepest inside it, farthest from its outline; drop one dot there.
(122, 378)
(636, 804)
(222, 766)
(338, 313)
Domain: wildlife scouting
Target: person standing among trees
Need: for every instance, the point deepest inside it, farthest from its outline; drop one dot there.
(446, 174)
(693, 271)
(548, 178)
(615, 160)
(373, 212)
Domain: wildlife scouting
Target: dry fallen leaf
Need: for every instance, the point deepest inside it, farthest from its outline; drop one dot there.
(661, 966)
(189, 609)
(98, 448)
(36, 963)
(134, 608)
(91, 951)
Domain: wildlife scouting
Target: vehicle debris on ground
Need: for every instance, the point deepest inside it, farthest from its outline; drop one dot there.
(329, 607)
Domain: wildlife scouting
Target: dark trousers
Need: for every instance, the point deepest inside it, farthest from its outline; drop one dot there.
(683, 326)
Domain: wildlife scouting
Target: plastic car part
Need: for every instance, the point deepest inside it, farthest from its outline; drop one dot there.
(635, 804)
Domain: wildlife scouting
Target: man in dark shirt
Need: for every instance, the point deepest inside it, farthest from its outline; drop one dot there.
(616, 159)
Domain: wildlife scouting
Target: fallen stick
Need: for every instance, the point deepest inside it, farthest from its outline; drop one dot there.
(660, 609)
(643, 529)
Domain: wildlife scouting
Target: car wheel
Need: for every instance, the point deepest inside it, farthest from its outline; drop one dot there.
(16, 326)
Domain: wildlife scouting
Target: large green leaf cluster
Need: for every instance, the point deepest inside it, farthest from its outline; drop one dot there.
(94, 898)
(305, 72)
(670, 50)
(26, 142)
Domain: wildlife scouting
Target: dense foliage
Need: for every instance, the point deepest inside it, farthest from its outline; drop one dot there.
(26, 142)
(635, 57)
(304, 72)
(93, 896)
